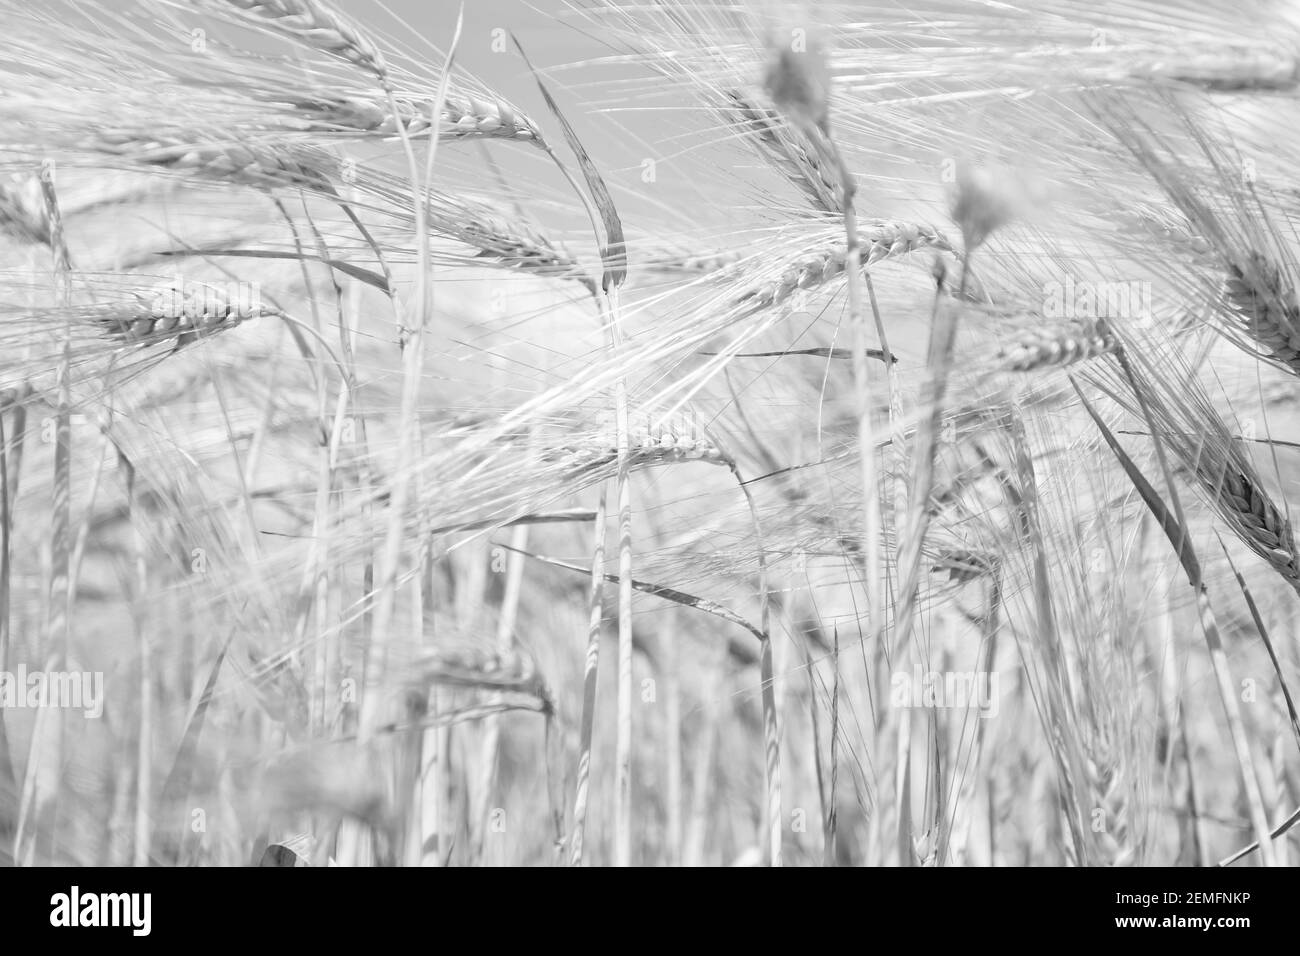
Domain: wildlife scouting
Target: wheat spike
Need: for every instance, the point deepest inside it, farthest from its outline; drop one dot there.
(667, 259)
(311, 23)
(799, 161)
(1265, 527)
(256, 165)
(462, 117)
(463, 665)
(1113, 842)
(1232, 69)
(517, 246)
(650, 442)
(180, 308)
(473, 117)
(1235, 227)
(880, 239)
(1053, 348)
(1197, 435)
(1145, 224)
(1257, 291)
(678, 439)
(508, 243)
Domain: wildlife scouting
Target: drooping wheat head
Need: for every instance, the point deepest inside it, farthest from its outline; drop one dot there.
(789, 150)
(1228, 214)
(1193, 430)
(1055, 346)
(312, 23)
(463, 117)
(880, 239)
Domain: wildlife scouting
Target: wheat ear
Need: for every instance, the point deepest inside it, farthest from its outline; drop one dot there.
(879, 240)
(1192, 428)
(508, 243)
(255, 165)
(1054, 348)
(649, 443)
(311, 23)
(1232, 69)
(179, 309)
(461, 117)
(1263, 525)
(799, 161)
(1235, 227)
(1266, 300)
(518, 246)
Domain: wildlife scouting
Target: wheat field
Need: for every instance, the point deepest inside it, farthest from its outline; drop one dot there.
(679, 434)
